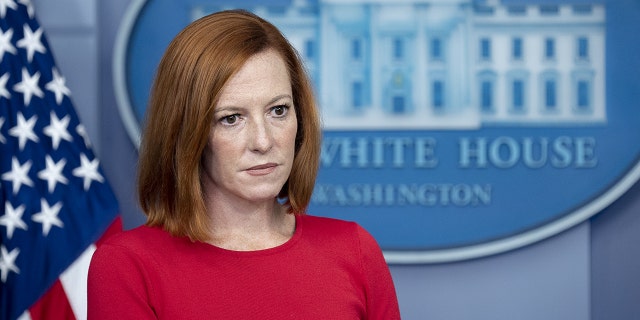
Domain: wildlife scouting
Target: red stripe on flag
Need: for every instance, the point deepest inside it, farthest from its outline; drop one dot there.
(53, 305)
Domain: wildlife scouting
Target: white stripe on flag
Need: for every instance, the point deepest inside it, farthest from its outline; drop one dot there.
(74, 282)
(25, 316)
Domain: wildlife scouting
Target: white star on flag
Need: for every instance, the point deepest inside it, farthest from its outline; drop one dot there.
(29, 86)
(88, 171)
(8, 262)
(5, 43)
(12, 219)
(31, 42)
(2, 138)
(4, 4)
(53, 173)
(58, 87)
(29, 5)
(48, 216)
(57, 130)
(24, 130)
(80, 129)
(19, 174)
(3, 86)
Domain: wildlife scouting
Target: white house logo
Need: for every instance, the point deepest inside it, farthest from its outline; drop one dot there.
(454, 129)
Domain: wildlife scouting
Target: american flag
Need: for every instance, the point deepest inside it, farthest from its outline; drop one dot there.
(56, 204)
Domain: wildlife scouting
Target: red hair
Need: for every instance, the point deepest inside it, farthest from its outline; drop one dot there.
(194, 69)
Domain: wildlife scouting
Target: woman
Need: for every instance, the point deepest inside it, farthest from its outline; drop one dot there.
(227, 166)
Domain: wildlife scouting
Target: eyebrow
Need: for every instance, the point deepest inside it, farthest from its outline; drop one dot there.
(233, 108)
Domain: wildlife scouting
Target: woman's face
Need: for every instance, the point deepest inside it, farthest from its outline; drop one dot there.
(252, 140)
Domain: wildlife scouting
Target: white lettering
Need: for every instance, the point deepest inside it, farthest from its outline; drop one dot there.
(378, 152)
(506, 152)
(427, 194)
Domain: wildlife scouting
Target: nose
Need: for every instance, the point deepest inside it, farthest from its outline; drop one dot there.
(261, 137)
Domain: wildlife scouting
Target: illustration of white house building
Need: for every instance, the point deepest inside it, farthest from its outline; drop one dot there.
(450, 64)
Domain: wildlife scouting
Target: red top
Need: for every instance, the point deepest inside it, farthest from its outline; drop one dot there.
(329, 269)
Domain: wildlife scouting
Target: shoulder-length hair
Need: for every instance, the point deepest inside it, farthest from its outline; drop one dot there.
(189, 79)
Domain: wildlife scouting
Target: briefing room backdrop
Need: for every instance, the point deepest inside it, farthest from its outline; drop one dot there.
(591, 271)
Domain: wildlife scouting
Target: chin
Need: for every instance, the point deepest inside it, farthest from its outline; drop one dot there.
(261, 195)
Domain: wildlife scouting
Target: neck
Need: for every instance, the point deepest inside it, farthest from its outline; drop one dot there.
(249, 226)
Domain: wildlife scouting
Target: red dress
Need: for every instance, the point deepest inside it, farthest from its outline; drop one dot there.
(329, 269)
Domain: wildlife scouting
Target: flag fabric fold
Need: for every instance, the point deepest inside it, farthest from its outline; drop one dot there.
(55, 202)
